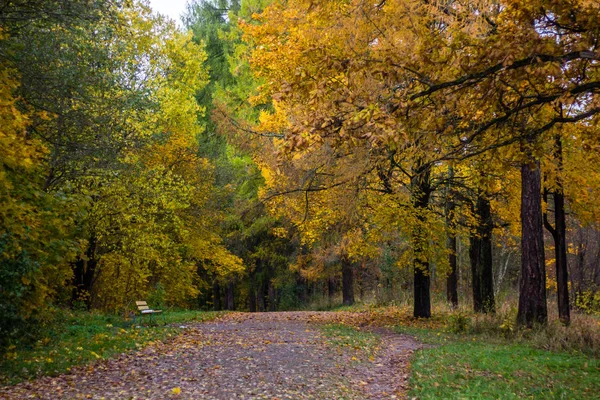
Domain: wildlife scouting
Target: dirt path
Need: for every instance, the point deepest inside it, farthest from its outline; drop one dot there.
(242, 356)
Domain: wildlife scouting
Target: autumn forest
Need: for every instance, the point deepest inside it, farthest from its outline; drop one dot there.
(273, 155)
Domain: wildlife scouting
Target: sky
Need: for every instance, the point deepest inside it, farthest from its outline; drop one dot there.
(171, 8)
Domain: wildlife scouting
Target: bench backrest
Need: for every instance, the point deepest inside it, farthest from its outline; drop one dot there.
(142, 305)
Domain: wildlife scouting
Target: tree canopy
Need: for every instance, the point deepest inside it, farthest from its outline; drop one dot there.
(274, 153)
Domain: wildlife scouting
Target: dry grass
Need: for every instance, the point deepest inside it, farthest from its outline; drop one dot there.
(388, 316)
(582, 335)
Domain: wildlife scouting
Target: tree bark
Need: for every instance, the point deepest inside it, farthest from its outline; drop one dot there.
(361, 284)
(347, 282)
(559, 234)
(481, 258)
(216, 295)
(487, 275)
(475, 260)
(422, 283)
(560, 249)
(452, 278)
(272, 297)
(302, 284)
(83, 275)
(532, 287)
(252, 293)
(421, 192)
(204, 296)
(262, 295)
(230, 296)
(330, 289)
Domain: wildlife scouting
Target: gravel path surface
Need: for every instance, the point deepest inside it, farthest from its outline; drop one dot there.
(241, 356)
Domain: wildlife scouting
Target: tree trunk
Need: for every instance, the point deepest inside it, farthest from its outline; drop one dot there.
(560, 249)
(262, 295)
(452, 279)
(422, 308)
(476, 270)
(330, 289)
(252, 293)
(532, 287)
(580, 263)
(480, 254)
(347, 282)
(230, 296)
(559, 234)
(420, 192)
(361, 284)
(302, 284)
(487, 276)
(83, 276)
(272, 297)
(205, 295)
(216, 295)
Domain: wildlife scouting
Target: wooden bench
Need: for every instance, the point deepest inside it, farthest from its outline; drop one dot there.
(145, 310)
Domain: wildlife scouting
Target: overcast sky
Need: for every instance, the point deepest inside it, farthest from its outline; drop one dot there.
(171, 8)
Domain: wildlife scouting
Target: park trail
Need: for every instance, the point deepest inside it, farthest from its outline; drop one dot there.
(280, 355)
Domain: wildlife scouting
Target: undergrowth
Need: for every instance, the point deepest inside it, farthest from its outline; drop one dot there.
(582, 335)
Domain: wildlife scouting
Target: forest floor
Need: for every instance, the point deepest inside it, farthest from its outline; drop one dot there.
(283, 355)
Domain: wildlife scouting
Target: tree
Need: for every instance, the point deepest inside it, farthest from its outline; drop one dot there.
(112, 123)
(437, 104)
(481, 257)
(452, 279)
(528, 101)
(35, 241)
(336, 93)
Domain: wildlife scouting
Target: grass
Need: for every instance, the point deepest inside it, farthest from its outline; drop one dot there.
(470, 357)
(463, 368)
(486, 364)
(78, 338)
(488, 357)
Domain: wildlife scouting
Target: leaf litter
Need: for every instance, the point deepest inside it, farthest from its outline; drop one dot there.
(282, 355)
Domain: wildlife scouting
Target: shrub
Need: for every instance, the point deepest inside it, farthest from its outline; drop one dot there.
(459, 322)
(588, 302)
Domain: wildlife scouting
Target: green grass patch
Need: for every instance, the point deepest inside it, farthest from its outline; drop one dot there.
(363, 344)
(474, 367)
(78, 338)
